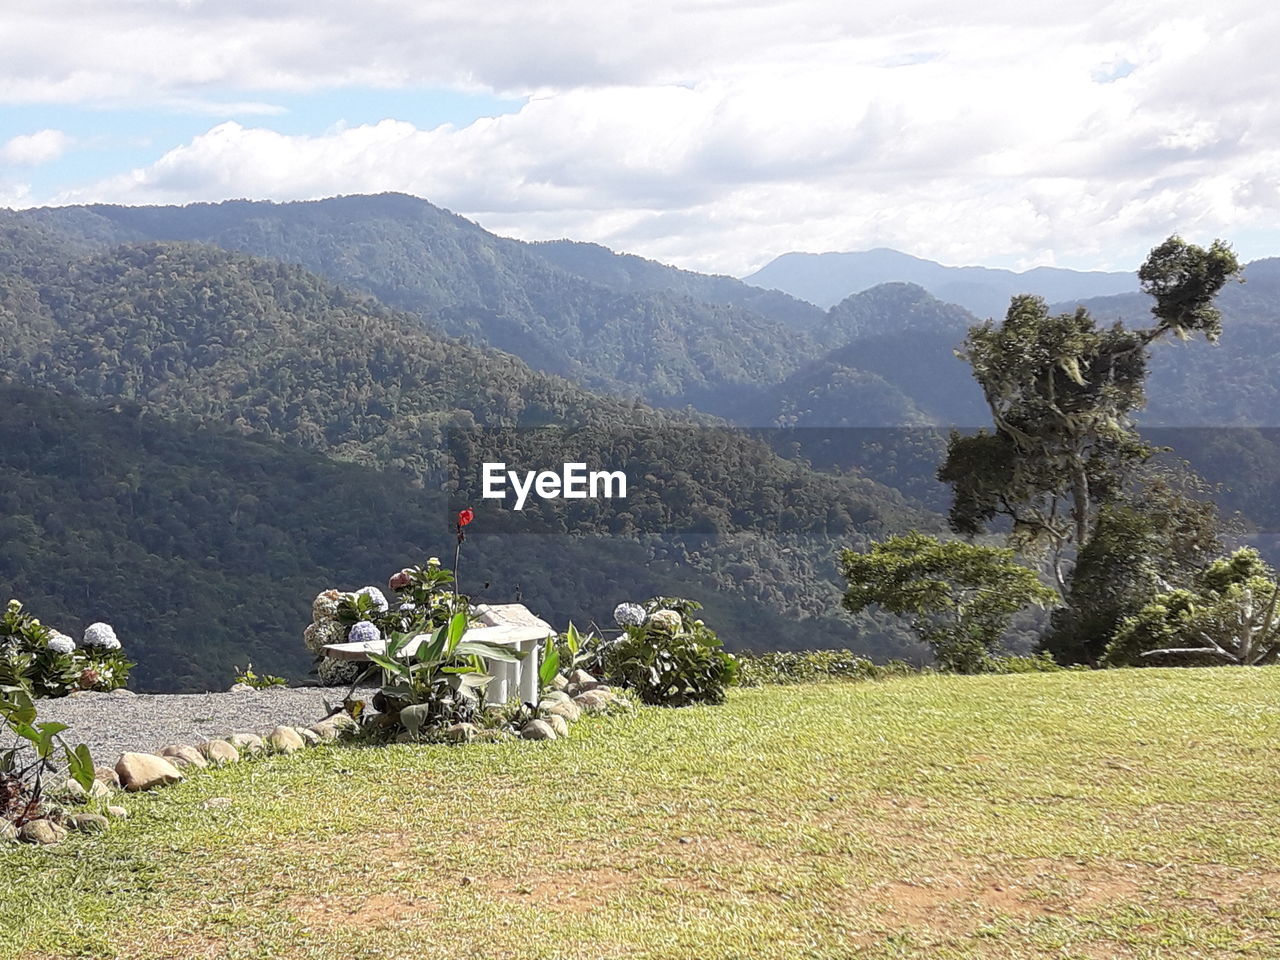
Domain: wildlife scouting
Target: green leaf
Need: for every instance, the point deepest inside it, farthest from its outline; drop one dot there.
(550, 665)
(80, 765)
(414, 716)
(490, 651)
(392, 666)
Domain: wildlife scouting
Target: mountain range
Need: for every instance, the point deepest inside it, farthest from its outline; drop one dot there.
(827, 278)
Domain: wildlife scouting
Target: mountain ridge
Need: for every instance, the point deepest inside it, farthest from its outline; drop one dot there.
(825, 279)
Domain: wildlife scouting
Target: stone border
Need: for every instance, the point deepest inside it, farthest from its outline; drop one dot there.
(562, 705)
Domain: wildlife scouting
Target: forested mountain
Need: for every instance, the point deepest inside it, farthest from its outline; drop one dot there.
(626, 272)
(204, 546)
(611, 322)
(267, 350)
(828, 278)
(659, 344)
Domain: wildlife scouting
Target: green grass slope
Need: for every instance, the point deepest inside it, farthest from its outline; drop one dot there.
(1124, 814)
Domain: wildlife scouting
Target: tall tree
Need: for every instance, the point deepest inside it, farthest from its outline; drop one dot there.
(1062, 392)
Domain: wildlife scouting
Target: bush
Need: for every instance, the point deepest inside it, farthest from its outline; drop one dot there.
(264, 681)
(440, 683)
(423, 600)
(804, 666)
(668, 657)
(20, 786)
(47, 663)
(1042, 662)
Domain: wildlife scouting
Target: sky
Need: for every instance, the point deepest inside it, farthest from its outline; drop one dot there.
(711, 134)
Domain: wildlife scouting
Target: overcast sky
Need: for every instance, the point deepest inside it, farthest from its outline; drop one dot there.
(713, 134)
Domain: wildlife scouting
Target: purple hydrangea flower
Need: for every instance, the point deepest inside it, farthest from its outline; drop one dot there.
(364, 632)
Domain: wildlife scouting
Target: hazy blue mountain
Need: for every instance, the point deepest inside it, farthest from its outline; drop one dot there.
(827, 278)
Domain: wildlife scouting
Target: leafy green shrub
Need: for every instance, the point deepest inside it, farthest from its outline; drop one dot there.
(571, 651)
(50, 664)
(258, 682)
(667, 656)
(424, 599)
(959, 597)
(441, 682)
(1042, 662)
(1232, 616)
(20, 794)
(803, 666)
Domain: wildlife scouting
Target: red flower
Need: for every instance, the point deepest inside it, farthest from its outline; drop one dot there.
(465, 517)
(401, 580)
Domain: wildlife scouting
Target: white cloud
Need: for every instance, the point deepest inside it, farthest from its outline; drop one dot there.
(34, 149)
(717, 135)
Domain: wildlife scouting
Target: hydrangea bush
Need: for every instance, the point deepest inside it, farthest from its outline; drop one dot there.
(667, 655)
(424, 600)
(48, 663)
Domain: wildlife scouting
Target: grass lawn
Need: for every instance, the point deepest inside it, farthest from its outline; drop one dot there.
(1114, 814)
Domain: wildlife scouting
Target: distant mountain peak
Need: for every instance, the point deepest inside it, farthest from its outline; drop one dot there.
(826, 279)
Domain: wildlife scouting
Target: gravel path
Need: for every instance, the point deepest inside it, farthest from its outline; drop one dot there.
(111, 723)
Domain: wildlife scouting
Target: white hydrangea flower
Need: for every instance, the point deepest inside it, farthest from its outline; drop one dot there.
(101, 636)
(364, 632)
(379, 600)
(60, 643)
(628, 614)
(407, 607)
(667, 620)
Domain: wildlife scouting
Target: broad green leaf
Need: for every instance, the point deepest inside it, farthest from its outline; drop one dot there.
(414, 716)
(80, 765)
(550, 665)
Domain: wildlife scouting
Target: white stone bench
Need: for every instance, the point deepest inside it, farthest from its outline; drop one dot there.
(506, 624)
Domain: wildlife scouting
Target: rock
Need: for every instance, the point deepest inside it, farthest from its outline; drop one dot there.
(538, 730)
(182, 756)
(247, 742)
(580, 688)
(88, 822)
(559, 724)
(8, 831)
(284, 740)
(96, 790)
(324, 730)
(461, 732)
(557, 696)
(108, 776)
(143, 771)
(570, 711)
(559, 682)
(342, 720)
(309, 737)
(122, 692)
(580, 677)
(593, 701)
(44, 832)
(120, 813)
(240, 688)
(219, 752)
